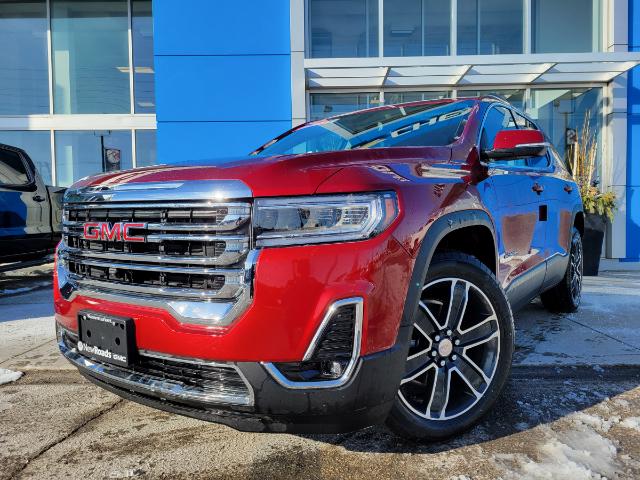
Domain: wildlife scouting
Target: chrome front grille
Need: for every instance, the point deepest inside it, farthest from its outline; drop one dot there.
(184, 250)
(217, 233)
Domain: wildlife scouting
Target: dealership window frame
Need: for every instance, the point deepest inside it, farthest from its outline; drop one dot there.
(528, 24)
(51, 122)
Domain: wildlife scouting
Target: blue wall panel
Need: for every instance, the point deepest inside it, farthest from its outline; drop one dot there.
(206, 140)
(224, 88)
(633, 139)
(223, 83)
(216, 27)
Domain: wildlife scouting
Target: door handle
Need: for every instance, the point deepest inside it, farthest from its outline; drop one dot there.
(537, 188)
(568, 188)
(39, 198)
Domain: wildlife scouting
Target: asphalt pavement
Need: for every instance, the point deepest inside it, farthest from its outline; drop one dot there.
(570, 410)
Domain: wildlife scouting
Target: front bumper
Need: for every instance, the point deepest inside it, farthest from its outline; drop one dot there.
(293, 287)
(264, 405)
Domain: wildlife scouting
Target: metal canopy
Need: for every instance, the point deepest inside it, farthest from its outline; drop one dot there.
(469, 70)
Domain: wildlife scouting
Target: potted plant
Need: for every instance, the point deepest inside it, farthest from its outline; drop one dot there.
(599, 206)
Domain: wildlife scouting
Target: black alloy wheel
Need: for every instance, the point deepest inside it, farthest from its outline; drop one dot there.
(565, 297)
(459, 353)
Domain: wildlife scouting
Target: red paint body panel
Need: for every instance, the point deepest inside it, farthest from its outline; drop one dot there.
(293, 288)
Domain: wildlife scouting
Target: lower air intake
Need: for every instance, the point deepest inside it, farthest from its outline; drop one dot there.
(334, 351)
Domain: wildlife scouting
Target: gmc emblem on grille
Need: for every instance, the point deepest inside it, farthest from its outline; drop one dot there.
(114, 232)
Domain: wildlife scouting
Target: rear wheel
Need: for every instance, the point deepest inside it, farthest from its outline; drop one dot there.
(565, 297)
(460, 351)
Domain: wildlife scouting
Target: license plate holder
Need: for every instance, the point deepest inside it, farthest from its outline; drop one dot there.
(106, 338)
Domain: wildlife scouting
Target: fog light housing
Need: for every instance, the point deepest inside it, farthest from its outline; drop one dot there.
(333, 352)
(331, 369)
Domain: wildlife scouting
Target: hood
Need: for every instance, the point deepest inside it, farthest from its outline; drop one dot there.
(271, 176)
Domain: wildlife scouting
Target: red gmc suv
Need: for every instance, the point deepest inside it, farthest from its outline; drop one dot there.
(352, 271)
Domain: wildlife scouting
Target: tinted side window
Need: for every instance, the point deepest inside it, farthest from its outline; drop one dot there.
(523, 123)
(532, 162)
(12, 169)
(498, 118)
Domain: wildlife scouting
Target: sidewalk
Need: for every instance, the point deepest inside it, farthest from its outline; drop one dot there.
(604, 331)
(609, 265)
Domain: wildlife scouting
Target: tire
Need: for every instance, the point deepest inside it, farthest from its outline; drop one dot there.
(565, 296)
(439, 403)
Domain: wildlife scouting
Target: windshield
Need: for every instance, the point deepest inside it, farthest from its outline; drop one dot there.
(426, 125)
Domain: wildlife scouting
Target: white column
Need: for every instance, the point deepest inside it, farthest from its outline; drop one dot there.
(298, 81)
(617, 36)
(526, 32)
(614, 168)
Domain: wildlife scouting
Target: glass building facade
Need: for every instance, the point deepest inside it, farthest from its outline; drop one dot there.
(350, 28)
(24, 78)
(84, 70)
(77, 84)
(343, 28)
(427, 28)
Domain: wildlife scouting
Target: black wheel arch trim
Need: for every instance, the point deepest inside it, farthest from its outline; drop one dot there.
(441, 227)
(577, 210)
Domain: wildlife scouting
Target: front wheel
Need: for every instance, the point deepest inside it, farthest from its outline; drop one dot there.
(460, 351)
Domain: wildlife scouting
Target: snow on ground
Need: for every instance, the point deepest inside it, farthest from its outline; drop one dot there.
(631, 422)
(16, 291)
(594, 421)
(573, 448)
(8, 376)
(580, 454)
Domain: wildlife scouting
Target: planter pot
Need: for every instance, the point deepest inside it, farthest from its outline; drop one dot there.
(594, 228)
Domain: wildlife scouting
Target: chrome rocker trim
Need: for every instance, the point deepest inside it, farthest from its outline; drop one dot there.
(355, 353)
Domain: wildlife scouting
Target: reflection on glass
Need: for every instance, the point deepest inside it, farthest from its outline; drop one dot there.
(142, 40)
(90, 56)
(343, 28)
(325, 105)
(428, 124)
(567, 26)
(82, 153)
(490, 27)
(393, 98)
(24, 86)
(37, 144)
(416, 27)
(514, 97)
(146, 153)
(561, 113)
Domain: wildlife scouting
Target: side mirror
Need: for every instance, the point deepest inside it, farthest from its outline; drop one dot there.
(515, 144)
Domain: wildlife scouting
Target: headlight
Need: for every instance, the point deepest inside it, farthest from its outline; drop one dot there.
(320, 219)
